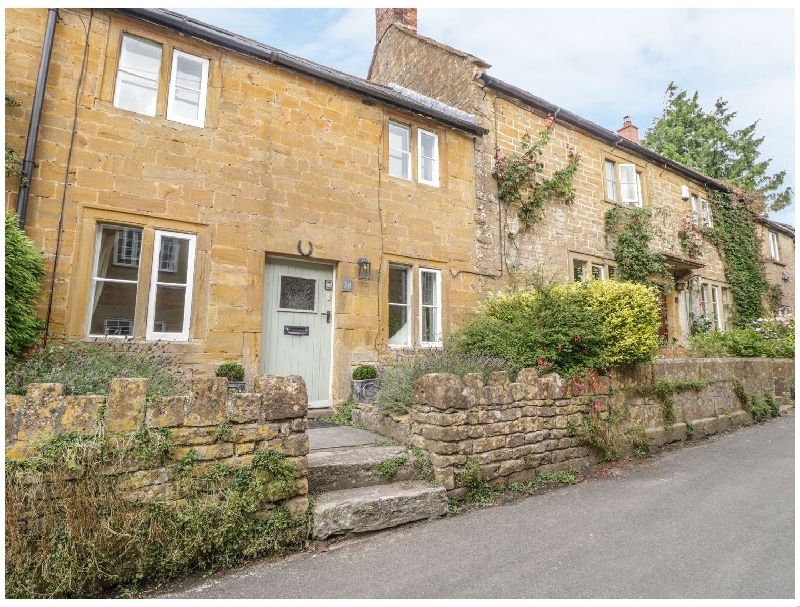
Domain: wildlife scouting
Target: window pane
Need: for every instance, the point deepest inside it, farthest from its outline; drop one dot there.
(426, 170)
(428, 142)
(118, 255)
(628, 183)
(399, 151)
(429, 328)
(113, 303)
(398, 285)
(137, 78)
(190, 73)
(428, 286)
(399, 325)
(170, 302)
(187, 103)
(298, 293)
(611, 181)
(173, 260)
(597, 271)
(578, 270)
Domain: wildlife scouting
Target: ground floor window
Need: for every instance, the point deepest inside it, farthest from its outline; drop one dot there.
(118, 276)
(406, 312)
(586, 267)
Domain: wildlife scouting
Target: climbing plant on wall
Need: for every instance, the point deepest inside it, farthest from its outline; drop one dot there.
(629, 231)
(520, 182)
(734, 235)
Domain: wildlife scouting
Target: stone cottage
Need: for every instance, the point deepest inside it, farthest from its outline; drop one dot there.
(569, 243)
(191, 186)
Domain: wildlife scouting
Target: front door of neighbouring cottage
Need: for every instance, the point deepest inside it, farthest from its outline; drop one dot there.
(298, 324)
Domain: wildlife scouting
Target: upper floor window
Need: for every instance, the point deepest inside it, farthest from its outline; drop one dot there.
(138, 78)
(428, 148)
(400, 154)
(773, 247)
(187, 89)
(701, 212)
(623, 183)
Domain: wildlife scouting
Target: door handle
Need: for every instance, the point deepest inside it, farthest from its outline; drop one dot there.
(327, 316)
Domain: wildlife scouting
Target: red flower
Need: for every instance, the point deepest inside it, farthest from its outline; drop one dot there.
(597, 405)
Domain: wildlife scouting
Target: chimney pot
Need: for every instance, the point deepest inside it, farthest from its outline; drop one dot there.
(628, 130)
(385, 17)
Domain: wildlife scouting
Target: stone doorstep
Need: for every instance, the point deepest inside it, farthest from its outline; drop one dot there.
(377, 507)
(353, 467)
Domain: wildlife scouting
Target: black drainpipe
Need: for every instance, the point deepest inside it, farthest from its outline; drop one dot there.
(36, 115)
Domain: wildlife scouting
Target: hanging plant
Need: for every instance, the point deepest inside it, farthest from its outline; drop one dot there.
(520, 182)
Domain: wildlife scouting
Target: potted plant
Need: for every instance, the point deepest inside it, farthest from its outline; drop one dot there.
(365, 384)
(234, 372)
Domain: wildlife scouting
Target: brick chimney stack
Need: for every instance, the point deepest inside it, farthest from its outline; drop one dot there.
(630, 132)
(385, 17)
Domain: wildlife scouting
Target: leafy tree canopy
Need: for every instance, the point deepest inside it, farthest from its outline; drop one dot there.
(703, 141)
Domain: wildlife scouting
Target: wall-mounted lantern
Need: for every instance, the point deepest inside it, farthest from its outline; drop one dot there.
(363, 268)
(684, 192)
(680, 284)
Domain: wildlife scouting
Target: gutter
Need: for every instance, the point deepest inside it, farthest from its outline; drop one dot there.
(253, 49)
(36, 116)
(605, 135)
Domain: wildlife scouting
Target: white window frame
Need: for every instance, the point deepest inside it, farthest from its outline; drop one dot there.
(404, 153)
(407, 305)
(601, 269)
(773, 247)
(95, 279)
(173, 86)
(434, 160)
(437, 306)
(695, 210)
(725, 310)
(620, 178)
(121, 70)
(127, 322)
(151, 333)
(715, 308)
(705, 213)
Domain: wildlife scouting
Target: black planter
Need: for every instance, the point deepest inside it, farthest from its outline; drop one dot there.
(236, 386)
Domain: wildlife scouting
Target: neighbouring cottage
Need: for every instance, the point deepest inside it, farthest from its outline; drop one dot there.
(196, 187)
(614, 170)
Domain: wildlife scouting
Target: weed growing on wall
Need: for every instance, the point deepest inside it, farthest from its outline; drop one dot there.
(605, 431)
(89, 367)
(664, 389)
(71, 533)
(480, 491)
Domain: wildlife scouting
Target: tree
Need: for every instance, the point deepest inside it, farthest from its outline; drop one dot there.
(703, 141)
(24, 271)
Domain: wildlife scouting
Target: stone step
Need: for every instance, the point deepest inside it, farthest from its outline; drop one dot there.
(348, 468)
(377, 507)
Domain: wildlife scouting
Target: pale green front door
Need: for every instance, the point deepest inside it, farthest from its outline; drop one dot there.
(298, 324)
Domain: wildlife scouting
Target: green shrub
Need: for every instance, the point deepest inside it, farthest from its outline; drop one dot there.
(765, 337)
(24, 272)
(566, 328)
(365, 372)
(232, 371)
(88, 367)
(397, 384)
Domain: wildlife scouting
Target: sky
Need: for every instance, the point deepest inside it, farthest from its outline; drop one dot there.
(601, 64)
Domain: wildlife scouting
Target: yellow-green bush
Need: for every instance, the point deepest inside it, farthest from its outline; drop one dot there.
(567, 327)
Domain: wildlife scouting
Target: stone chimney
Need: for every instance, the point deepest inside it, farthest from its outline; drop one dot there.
(630, 132)
(385, 17)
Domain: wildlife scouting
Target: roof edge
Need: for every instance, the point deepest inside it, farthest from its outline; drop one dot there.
(234, 42)
(600, 132)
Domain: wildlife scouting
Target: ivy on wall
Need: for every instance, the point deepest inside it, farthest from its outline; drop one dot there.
(520, 182)
(629, 231)
(734, 235)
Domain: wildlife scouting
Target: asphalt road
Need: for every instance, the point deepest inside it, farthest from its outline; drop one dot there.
(711, 520)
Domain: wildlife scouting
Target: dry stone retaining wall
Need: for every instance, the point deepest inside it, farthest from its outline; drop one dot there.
(520, 429)
(216, 426)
